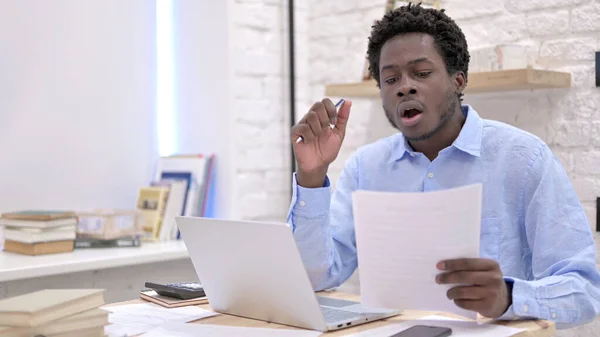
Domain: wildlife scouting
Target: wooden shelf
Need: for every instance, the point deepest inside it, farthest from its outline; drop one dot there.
(481, 82)
(425, 2)
(435, 3)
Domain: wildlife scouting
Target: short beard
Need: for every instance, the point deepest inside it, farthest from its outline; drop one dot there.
(451, 105)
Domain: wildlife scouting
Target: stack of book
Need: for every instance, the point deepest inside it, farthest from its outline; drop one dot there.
(54, 312)
(151, 295)
(39, 232)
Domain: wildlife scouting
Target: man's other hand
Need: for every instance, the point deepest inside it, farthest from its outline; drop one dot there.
(480, 285)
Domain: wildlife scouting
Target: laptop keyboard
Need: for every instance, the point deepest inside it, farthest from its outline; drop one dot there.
(334, 302)
(332, 315)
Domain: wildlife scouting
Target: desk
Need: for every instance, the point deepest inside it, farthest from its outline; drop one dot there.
(119, 270)
(534, 328)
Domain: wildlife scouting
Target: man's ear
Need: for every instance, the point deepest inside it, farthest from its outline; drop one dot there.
(459, 81)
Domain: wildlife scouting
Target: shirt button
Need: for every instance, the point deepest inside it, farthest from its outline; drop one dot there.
(302, 203)
(525, 308)
(430, 174)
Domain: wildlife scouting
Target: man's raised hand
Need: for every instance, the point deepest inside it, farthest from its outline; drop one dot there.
(320, 143)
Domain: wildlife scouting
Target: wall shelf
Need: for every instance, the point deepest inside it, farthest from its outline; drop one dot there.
(479, 82)
(435, 3)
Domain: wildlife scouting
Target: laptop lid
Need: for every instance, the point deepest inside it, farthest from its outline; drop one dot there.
(252, 269)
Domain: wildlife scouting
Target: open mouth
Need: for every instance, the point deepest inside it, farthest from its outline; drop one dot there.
(410, 113)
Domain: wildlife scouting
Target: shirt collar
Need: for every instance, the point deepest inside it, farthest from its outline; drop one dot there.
(470, 136)
(468, 140)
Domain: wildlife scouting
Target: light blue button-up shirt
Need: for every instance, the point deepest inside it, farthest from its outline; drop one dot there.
(532, 222)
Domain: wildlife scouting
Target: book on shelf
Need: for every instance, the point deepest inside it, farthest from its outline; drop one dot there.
(39, 248)
(131, 241)
(151, 203)
(195, 171)
(38, 232)
(39, 215)
(38, 219)
(175, 206)
(200, 167)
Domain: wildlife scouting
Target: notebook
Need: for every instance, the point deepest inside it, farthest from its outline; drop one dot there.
(168, 302)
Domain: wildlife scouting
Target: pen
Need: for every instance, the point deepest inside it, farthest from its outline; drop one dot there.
(336, 105)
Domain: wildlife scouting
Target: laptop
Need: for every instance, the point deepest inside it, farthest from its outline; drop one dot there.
(254, 270)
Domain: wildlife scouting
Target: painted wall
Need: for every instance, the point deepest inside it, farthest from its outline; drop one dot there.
(77, 103)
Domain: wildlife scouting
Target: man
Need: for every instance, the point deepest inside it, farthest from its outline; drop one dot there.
(537, 250)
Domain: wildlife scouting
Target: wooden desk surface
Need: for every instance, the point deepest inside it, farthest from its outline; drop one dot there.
(533, 328)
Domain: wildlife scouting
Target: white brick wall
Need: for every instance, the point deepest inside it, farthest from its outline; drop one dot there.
(331, 40)
(568, 34)
(260, 109)
(564, 34)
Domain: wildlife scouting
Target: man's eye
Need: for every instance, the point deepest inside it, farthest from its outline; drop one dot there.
(390, 80)
(423, 73)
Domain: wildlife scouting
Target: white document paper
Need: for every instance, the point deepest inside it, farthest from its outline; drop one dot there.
(134, 319)
(459, 328)
(194, 330)
(401, 237)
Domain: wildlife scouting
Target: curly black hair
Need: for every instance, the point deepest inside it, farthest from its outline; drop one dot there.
(412, 18)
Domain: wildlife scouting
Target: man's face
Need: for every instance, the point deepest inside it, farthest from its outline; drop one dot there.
(418, 95)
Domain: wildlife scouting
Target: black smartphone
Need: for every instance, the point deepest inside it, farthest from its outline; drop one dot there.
(425, 331)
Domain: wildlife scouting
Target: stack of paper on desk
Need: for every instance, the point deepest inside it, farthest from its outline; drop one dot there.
(401, 237)
(135, 319)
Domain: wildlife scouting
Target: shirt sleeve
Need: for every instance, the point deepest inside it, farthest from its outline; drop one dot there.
(323, 228)
(564, 285)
